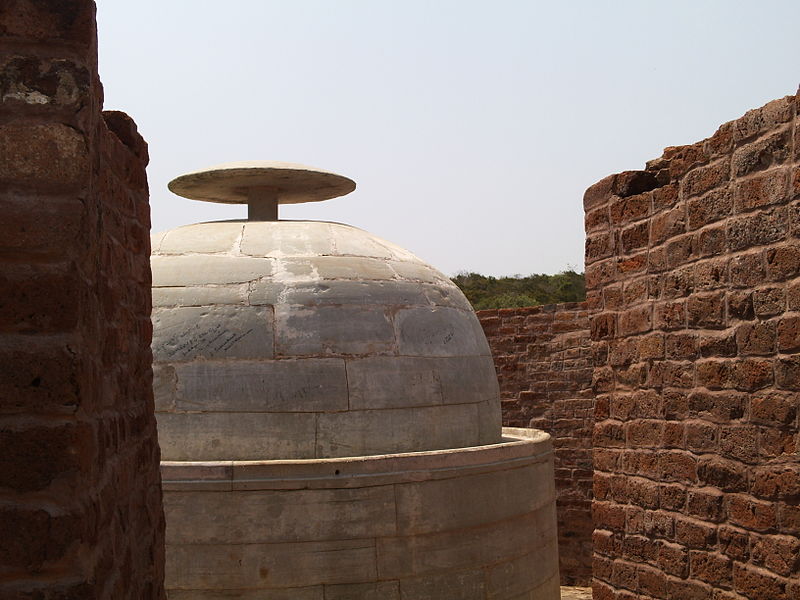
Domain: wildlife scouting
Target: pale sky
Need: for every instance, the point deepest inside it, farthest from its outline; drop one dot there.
(471, 128)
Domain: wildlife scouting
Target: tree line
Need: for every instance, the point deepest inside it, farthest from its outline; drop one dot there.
(516, 291)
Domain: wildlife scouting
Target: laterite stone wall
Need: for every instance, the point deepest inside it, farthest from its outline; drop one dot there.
(693, 279)
(543, 360)
(80, 497)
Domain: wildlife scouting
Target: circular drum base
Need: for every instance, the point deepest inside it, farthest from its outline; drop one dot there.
(466, 523)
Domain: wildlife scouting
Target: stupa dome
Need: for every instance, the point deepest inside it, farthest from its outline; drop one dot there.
(329, 415)
(307, 339)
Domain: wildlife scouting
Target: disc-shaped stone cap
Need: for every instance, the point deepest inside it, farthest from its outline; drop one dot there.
(291, 183)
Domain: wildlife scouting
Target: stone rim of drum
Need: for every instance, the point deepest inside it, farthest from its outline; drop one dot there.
(430, 516)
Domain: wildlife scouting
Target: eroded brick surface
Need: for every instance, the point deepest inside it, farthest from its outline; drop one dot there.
(697, 478)
(81, 512)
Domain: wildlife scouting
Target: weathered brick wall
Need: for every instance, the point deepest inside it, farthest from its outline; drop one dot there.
(80, 499)
(543, 362)
(692, 267)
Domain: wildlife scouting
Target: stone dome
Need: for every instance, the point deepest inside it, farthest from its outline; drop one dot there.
(308, 339)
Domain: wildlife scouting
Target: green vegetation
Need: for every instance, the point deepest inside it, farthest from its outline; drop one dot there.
(512, 292)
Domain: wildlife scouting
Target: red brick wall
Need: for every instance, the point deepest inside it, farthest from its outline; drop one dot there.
(80, 499)
(692, 268)
(543, 363)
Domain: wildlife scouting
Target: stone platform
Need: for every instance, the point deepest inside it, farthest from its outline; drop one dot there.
(467, 523)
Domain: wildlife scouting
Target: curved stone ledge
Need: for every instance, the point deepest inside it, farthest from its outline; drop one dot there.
(465, 523)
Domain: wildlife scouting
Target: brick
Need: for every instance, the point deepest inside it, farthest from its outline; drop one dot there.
(638, 548)
(711, 567)
(677, 466)
(681, 346)
(669, 315)
(667, 225)
(665, 197)
(751, 374)
(634, 237)
(40, 378)
(651, 346)
(612, 297)
(763, 153)
(793, 296)
(701, 436)
(714, 374)
(653, 582)
(706, 310)
(734, 543)
(597, 219)
(740, 305)
(761, 190)
(635, 291)
(739, 442)
(722, 140)
(709, 208)
(639, 462)
(600, 590)
(777, 482)
(603, 380)
(676, 404)
(599, 245)
(31, 458)
(726, 475)
(787, 373)
(717, 344)
(599, 193)
(710, 275)
(643, 434)
(778, 553)
(750, 513)
(43, 156)
(762, 119)
(635, 320)
(758, 584)
(609, 434)
(667, 374)
(600, 273)
(69, 21)
(747, 270)
(672, 496)
(603, 326)
(717, 407)
(694, 533)
(684, 158)
(782, 263)
(711, 241)
(689, 590)
(788, 333)
(678, 283)
(34, 536)
(702, 179)
(773, 408)
(606, 515)
(625, 210)
(776, 443)
(632, 264)
(623, 574)
(789, 518)
(757, 229)
(756, 338)
(673, 559)
(768, 302)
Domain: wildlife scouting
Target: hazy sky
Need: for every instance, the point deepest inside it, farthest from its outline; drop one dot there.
(471, 128)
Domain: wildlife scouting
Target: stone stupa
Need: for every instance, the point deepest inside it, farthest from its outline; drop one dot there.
(329, 415)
